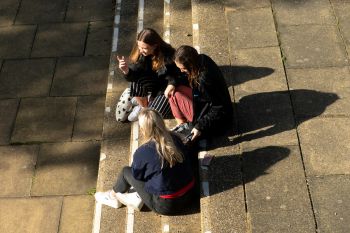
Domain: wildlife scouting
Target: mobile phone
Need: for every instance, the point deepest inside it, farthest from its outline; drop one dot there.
(188, 138)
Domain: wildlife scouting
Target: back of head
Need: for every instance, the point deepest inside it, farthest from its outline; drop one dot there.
(153, 129)
(188, 57)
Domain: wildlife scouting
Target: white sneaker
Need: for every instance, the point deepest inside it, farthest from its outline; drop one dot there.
(107, 198)
(130, 199)
(134, 101)
(133, 116)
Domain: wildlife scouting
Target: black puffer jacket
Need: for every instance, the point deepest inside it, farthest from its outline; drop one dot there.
(211, 100)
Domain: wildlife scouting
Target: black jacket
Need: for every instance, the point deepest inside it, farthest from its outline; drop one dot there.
(211, 100)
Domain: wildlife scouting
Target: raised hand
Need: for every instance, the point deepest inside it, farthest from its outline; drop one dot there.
(123, 65)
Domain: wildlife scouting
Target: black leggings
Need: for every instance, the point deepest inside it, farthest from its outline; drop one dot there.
(160, 205)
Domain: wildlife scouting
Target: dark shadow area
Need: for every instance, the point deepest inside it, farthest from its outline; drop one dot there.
(229, 171)
(236, 75)
(272, 112)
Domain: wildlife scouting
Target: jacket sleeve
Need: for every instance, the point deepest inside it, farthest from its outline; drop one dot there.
(214, 107)
(144, 167)
(139, 69)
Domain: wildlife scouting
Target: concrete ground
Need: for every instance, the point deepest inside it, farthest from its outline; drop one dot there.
(54, 59)
(287, 168)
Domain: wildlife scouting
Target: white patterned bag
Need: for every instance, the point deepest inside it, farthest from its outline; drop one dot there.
(124, 106)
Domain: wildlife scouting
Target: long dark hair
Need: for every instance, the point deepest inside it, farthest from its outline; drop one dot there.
(188, 57)
(152, 38)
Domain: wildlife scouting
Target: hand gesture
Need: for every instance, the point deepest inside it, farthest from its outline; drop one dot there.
(196, 133)
(123, 65)
(169, 91)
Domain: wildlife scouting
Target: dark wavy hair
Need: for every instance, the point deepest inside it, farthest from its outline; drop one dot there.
(188, 57)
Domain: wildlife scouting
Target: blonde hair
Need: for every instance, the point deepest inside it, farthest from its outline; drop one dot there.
(153, 129)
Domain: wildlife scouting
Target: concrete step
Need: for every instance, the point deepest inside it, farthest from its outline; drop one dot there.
(120, 139)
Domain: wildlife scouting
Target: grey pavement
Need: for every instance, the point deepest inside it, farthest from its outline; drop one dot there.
(285, 168)
(54, 61)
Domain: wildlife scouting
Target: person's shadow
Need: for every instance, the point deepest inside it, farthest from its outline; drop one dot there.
(228, 171)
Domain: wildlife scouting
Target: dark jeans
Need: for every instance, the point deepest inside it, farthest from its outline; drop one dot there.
(160, 205)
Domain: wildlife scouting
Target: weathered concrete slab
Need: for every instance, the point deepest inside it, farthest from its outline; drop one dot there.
(114, 156)
(90, 10)
(303, 12)
(89, 118)
(342, 11)
(26, 78)
(258, 70)
(112, 220)
(99, 38)
(44, 120)
(147, 222)
(18, 214)
(181, 30)
(298, 221)
(312, 46)
(66, 168)
(64, 39)
(17, 170)
(266, 119)
(331, 201)
(7, 119)
(326, 91)
(182, 223)
(16, 41)
(274, 179)
(77, 214)
(8, 11)
(246, 4)
(41, 11)
(80, 76)
(325, 145)
(112, 128)
(154, 15)
(250, 29)
(226, 201)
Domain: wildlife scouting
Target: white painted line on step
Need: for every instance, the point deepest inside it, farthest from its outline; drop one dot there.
(111, 73)
(115, 39)
(109, 86)
(98, 207)
(195, 26)
(140, 16)
(97, 218)
(166, 228)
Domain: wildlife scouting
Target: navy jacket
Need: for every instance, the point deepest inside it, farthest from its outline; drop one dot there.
(146, 166)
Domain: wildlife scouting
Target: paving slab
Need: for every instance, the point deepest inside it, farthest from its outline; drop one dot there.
(7, 119)
(8, 11)
(147, 222)
(63, 39)
(77, 212)
(297, 221)
(226, 208)
(303, 12)
(41, 11)
(66, 168)
(17, 214)
(181, 30)
(342, 11)
(325, 146)
(258, 70)
(99, 38)
(44, 120)
(328, 91)
(246, 4)
(16, 41)
(183, 223)
(330, 196)
(112, 220)
(90, 10)
(266, 119)
(251, 28)
(89, 118)
(80, 76)
(274, 179)
(312, 46)
(153, 15)
(17, 169)
(26, 78)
